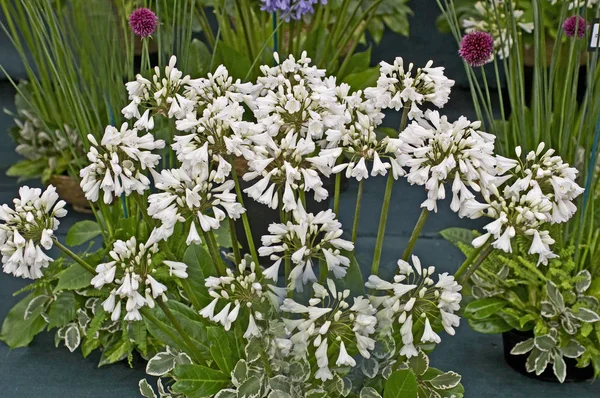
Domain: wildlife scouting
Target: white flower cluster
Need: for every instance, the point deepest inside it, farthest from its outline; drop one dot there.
(439, 152)
(131, 270)
(187, 195)
(398, 87)
(329, 320)
(28, 229)
(416, 297)
(117, 166)
(307, 239)
(493, 20)
(536, 192)
(161, 95)
(244, 292)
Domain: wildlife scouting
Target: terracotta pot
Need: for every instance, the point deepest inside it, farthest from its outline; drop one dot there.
(517, 362)
(68, 189)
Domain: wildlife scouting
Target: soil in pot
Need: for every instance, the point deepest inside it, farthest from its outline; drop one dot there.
(517, 362)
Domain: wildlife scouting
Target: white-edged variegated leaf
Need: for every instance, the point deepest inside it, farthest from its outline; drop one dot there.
(547, 309)
(370, 367)
(300, 370)
(83, 318)
(584, 280)
(347, 387)
(586, 315)
(419, 363)
(227, 393)
(37, 304)
(523, 347)
(239, 373)
(387, 371)
(280, 383)
(445, 381)
(251, 388)
(279, 394)
(369, 392)
(72, 337)
(560, 368)
(183, 359)
(316, 393)
(145, 389)
(555, 296)
(541, 362)
(160, 364)
(545, 342)
(573, 349)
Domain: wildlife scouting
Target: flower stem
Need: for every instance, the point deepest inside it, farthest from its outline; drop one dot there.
(234, 242)
(382, 223)
(179, 328)
(357, 210)
(213, 248)
(336, 193)
(484, 254)
(468, 261)
(75, 257)
(247, 230)
(415, 234)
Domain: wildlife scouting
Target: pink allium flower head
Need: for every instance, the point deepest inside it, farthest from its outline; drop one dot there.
(143, 22)
(477, 48)
(575, 25)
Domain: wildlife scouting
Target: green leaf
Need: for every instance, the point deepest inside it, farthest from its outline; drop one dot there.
(362, 80)
(250, 388)
(116, 351)
(83, 231)
(358, 62)
(446, 380)
(522, 347)
(63, 310)
(369, 392)
(160, 364)
(555, 296)
(484, 308)
(401, 384)
(353, 279)
(280, 383)
(586, 315)
(560, 368)
(493, 325)
(240, 373)
(73, 278)
(573, 349)
(26, 169)
(237, 64)
(419, 364)
(545, 342)
(18, 331)
(458, 235)
(146, 390)
(199, 381)
(199, 57)
(72, 337)
(220, 350)
(37, 306)
(584, 279)
(594, 289)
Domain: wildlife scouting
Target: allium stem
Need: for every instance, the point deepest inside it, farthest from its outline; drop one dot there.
(357, 210)
(336, 193)
(382, 223)
(415, 234)
(75, 257)
(179, 328)
(240, 198)
(234, 242)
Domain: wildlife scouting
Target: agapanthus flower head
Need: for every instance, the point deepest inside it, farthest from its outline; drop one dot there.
(438, 152)
(191, 196)
(575, 26)
(305, 240)
(330, 319)
(143, 22)
(477, 48)
(240, 294)
(118, 165)
(27, 230)
(419, 300)
(401, 85)
(290, 9)
(132, 272)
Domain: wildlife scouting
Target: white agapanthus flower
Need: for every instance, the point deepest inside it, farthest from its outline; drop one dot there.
(329, 320)
(439, 152)
(27, 230)
(163, 95)
(130, 273)
(419, 300)
(305, 241)
(119, 164)
(493, 20)
(240, 294)
(189, 196)
(536, 192)
(398, 87)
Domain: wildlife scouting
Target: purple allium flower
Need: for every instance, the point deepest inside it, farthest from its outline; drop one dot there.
(575, 25)
(477, 48)
(143, 22)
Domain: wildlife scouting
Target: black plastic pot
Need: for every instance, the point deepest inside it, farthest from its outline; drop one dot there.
(517, 362)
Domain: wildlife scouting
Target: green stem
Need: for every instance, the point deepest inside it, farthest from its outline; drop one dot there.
(234, 242)
(180, 329)
(75, 257)
(486, 252)
(415, 234)
(247, 230)
(336, 193)
(468, 261)
(357, 210)
(382, 223)
(214, 247)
